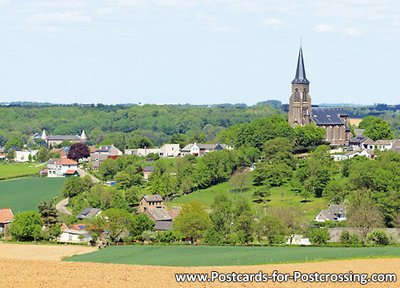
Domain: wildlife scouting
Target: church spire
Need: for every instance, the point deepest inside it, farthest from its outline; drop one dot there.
(301, 71)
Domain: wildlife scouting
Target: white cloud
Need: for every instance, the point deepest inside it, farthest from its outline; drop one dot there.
(274, 22)
(351, 31)
(60, 17)
(321, 28)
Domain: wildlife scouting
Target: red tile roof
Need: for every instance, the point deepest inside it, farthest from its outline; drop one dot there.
(6, 215)
(63, 226)
(66, 162)
(70, 172)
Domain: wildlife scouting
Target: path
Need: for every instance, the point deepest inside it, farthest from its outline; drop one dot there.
(62, 207)
(83, 173)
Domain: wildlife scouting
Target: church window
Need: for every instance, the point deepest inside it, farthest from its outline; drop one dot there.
(296, 95)
(305, 95)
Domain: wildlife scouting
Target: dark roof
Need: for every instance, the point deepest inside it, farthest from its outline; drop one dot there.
(357, 140)
(159, 214)
(152, 198)
(327, 116)
(148, 169)
(163, 225)
(15, 148)
(64, 137)
(300, 71)
(88, 213)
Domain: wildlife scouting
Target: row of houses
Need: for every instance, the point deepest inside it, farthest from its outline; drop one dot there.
(21, 155)
(366, 143)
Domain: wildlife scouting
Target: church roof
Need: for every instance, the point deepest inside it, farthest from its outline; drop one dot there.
(300, 71)
(327, 116)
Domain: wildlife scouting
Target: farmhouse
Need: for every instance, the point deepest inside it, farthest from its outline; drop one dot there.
(199, 149)
(150, 202)
(335, 213)
(88, 213)
(6, 216)
(74, 236)
(62, 167)
(166, 151)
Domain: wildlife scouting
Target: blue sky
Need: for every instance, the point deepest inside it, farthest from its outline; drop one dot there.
(199, 52)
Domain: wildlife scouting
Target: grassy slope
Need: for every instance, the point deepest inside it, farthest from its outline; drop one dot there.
(25, 194)
(226, 256)
(206, 197)
(13, 170)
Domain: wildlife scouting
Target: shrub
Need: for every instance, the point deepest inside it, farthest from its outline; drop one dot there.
(319, 236)
(379, 237)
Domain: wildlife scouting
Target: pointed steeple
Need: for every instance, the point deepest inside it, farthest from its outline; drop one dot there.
(44, 136)
(301, 71)
(83, 135)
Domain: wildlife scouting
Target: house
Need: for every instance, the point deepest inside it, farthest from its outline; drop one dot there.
(150, 202)
(98, 155)
(6, 216)
(63, 152)
(383, 145)
(166, 151)
(199, 149)
(147, 170)
(55, 140)
(162, 219)
(361, 143)
(74, 236)
(335, 213)
(62, 167)
(396, 145)
(169, 151)
(349, 155)
(88, 213)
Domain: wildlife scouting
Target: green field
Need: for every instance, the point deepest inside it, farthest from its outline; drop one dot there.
(15, 170)
(26, 193)
(227, 256)
(206, 197)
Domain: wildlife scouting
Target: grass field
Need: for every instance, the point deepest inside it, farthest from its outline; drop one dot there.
(227, 256)
(26, 193)
(206, 197)
(15, 170)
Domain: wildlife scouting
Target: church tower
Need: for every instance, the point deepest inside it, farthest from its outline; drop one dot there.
(300, 112)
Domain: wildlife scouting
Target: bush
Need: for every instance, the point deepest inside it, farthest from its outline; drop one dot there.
(379, 237)
(27, 226)
(319, 236)
(346, 238)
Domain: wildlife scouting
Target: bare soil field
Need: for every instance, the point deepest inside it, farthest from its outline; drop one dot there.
(22, 271)
(355, 121)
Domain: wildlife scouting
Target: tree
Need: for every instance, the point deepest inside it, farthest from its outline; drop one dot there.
(108, 168)
(239, 180)
(292, 218)
(244, 227)
(180, 139)
(271, 228)
(73, 186)
(192, 221)
(123, 180)
(119, 202)
(309, 135)
(11, 154)
(376, 128)
(221, 219)
(26, 226)
(13, 141)
(364, 215)
(78, 151)
(132, 196)
(117, 222)
(261, 194)
(319, 236)
(141, 223)
(48, 213)
(64, 143)
(43, 154)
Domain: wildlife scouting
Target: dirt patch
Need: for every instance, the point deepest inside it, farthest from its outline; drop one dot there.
(19, 270)
(41, 252)
(355, 121)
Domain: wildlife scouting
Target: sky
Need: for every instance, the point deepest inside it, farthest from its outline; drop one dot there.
(198, 51)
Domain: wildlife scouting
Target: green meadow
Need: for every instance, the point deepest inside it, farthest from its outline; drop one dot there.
(26, 193)
(187, 256)
(280, 197)
(16, 170)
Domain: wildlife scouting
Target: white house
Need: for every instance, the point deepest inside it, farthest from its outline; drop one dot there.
(74, 236)
(384, 144)
(61, 167)
(167, 150)
(23, 155)
(199, 149)
(335, 213)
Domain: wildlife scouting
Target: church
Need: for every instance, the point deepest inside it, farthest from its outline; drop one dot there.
(334, 120)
